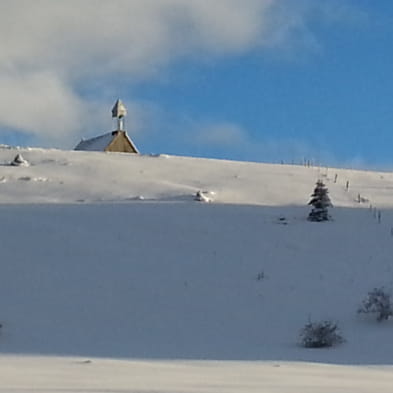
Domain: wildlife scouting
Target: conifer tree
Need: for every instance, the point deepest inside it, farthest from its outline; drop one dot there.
(320, 202)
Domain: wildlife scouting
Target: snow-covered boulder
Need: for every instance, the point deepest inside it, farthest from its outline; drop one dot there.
(19, 161)
(204, 196)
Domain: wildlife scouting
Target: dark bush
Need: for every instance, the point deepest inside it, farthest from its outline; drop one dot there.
(377, 302)
(320, 334)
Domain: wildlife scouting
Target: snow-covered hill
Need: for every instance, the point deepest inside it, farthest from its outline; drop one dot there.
(56, 176)
(110, 256)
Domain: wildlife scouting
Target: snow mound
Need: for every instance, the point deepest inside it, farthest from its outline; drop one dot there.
(19, 161)
(204, 196)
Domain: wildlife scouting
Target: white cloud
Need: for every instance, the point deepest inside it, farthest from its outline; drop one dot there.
(221, 134)
(94, 36)
(222, 138)
(51, 49)
(38, 103)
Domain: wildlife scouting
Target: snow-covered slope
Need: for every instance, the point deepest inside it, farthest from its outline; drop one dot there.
(56, 176)
(109, 255)
(180, 281)
(76, 375)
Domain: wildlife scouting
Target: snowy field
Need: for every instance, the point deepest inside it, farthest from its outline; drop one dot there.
(65, 375)
(114, 279)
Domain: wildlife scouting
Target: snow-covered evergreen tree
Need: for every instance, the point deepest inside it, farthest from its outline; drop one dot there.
(321, 202)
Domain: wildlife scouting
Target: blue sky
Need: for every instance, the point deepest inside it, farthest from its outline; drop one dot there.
(258, 80)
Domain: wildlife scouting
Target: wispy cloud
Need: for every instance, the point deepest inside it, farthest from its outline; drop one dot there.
(233, 141)
(221, 134)
(51, 50)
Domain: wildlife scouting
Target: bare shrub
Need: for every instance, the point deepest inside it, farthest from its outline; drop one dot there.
(320, 335)
(377, 302)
